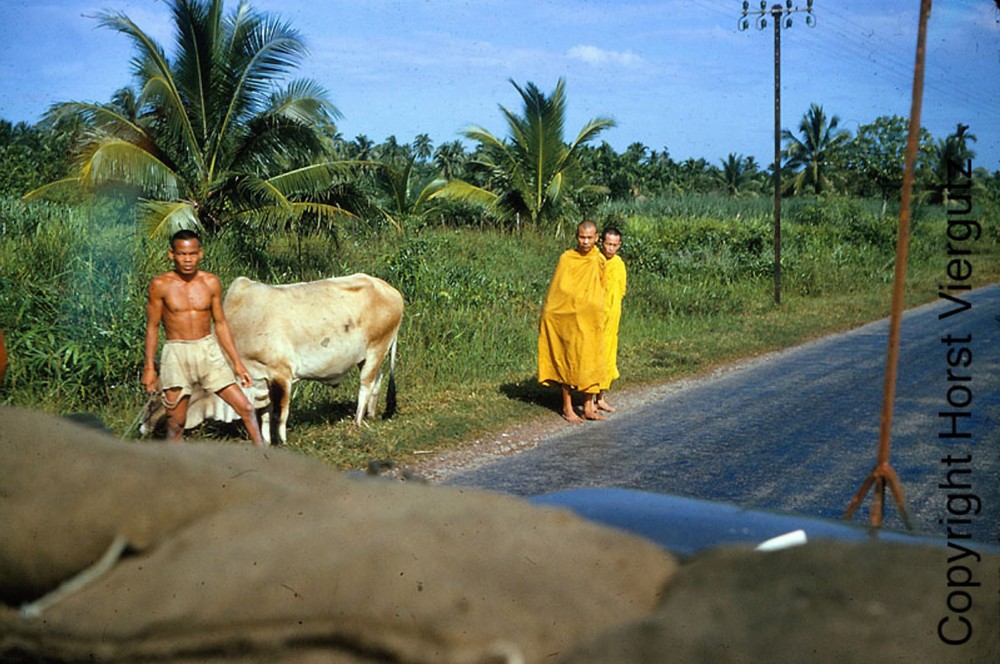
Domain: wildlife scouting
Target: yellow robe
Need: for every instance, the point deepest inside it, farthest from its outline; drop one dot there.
(571, 334)
(614, 279)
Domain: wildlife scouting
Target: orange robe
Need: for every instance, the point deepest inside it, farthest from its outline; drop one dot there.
(614, 279)
(571, 334)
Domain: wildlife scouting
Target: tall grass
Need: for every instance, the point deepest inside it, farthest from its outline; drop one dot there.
(73, 280)
(71, 302)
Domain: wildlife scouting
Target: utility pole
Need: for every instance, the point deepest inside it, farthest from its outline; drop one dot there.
(780, 17)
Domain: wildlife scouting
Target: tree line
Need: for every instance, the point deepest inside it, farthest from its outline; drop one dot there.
(217, 135)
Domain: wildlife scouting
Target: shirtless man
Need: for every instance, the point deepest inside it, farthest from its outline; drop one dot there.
(187, 301)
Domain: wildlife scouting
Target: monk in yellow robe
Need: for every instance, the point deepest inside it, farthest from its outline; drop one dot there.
(615, 277)
(571, 334)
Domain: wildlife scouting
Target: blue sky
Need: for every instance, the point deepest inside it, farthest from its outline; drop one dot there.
(674, 74)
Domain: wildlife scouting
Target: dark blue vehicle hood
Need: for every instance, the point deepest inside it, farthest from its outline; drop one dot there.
(685, 526)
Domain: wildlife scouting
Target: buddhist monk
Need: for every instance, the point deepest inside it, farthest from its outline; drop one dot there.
(571, 335)
(614, 281)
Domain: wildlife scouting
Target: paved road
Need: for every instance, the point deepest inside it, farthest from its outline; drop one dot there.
(798, 431)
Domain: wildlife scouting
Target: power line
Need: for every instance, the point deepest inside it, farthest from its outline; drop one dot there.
(871, 50)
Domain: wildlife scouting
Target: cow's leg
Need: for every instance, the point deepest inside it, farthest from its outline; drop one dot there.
(281, 398)
(364, 390)
(373, 396)
(265, 423)
(260, 397)
(367, 391)
(390, 393)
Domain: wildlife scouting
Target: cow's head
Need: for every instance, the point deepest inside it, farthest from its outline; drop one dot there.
(154, 418)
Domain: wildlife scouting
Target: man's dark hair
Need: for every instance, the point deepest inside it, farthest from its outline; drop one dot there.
(610, 230)
(184, 234)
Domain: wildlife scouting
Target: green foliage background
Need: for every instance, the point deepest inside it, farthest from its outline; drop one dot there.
(73, 280)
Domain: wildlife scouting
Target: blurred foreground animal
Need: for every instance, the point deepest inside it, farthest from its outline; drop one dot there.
(3, 357)
(318, 330)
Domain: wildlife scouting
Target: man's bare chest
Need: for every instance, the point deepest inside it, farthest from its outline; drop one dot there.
(181, 298)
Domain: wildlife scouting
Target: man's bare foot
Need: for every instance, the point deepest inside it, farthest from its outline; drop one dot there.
(590, 412)
(572, 417)
(603, 405)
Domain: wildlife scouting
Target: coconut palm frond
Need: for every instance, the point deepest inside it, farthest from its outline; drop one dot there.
(463, 191)
(295, 214)
(210, 121)
(312, 179)
(590, 131)
(149, 53)
(178, 133)
(480, 135)
(264, 194)
(535, 168)
(554, 190)
(427, 193)
(105, 118)
(151, 65)
(164, 218)
(304, 101)
(325, 211)
(262, 48)
(52, 187)
(117, 161)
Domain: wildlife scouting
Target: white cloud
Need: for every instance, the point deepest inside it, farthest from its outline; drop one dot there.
(598, 56)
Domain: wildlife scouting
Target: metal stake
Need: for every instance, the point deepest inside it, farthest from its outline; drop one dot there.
(883, 473)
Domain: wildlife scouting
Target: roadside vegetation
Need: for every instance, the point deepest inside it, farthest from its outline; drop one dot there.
(469, 235)
(73, 278)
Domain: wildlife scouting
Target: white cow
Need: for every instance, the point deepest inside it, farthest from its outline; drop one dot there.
(319, 330)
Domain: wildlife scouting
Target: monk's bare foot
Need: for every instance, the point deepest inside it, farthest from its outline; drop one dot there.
(592, 414)
(572, 417)
(603, 405)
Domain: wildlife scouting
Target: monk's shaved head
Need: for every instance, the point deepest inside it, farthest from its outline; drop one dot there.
(586, 237)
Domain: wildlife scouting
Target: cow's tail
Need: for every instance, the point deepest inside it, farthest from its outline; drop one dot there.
(390, 391)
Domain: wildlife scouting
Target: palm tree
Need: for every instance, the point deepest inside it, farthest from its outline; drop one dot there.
(450, 159)
(737, 173)
(534, 174)
(694, 175)
(407, 195)
(362, 147)
(813, 154)
(423, 147)
(603, 165)
(209, 137)
(946, 157)
(391, 150)
(633, 161)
